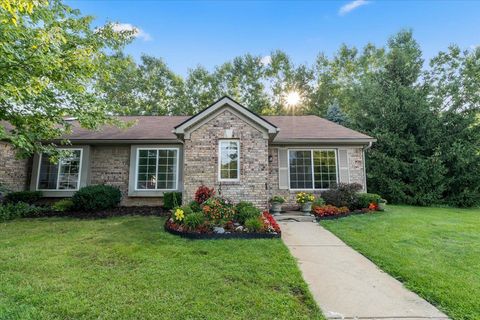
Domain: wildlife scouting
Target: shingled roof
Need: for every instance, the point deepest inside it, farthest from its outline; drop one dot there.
(292, 128)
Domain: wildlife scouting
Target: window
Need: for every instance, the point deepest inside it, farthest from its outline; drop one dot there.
(229, 160)
(157, 169)
(312, 169)
(64, 175)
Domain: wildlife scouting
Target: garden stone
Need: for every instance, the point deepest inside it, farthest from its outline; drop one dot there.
(239, 228)
(219, 230)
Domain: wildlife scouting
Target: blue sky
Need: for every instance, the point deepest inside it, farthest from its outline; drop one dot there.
(190, 33)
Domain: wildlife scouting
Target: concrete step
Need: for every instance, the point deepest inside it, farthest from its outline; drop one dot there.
(288, 217)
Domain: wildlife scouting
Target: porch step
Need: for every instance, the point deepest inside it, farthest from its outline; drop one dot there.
(294, 217)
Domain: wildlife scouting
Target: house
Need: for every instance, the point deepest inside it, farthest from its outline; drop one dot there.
(243, 155)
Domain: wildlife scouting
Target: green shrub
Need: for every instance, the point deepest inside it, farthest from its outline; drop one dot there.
(194, 220)
(245, 211)
(364, 199)
(253, 224)
(319, 202)
(98, 197)
(172, 200)
(343, 195)
(63, 205)
(29, 197)
(11, 211)
(195, 206)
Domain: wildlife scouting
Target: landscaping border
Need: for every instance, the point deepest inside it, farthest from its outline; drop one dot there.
(342, 215)
(220, 236)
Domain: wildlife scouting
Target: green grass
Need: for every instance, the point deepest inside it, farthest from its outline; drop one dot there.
(435, 252)
(129, 268)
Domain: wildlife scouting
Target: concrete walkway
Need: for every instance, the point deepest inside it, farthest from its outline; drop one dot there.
(345, 284)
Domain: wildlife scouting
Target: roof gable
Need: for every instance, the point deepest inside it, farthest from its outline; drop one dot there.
(183, 128)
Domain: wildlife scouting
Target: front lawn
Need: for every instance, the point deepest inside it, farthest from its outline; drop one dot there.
(129, 268)
(434, 251)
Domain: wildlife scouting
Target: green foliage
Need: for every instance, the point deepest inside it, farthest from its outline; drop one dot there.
(335, 114)
(246, 210)
(172, 200)
(195, 206)
(51, 58)
(319, 201)
(11, 211)
(343, 195)
(218, 209)
(186, 209)
(253, 224)
(194, 220)
(278, 199)
(63, 205)
(364, 199)
(97, 197)
(29, 197)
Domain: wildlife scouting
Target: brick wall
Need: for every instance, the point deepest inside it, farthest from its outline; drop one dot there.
(356, 174)
(201, 160)
(14, 173)
(110, 165)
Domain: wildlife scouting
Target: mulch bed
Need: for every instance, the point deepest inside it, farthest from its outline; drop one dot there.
(217, 236)
(118, 211)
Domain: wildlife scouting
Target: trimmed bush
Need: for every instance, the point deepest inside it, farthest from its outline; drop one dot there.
(365, 199)
(29, 197)
(245, 211)
(344, 195)
(19, 210)
(253, 224)
(194, 220)
(98, 197)
(63, 205)
(172, 200)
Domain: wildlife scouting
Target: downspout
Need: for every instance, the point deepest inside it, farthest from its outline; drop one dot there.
(370, 143)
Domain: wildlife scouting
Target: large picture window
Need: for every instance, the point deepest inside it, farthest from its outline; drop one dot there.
(157, 169)
(312, 169)
(229, 160)
(63, 175)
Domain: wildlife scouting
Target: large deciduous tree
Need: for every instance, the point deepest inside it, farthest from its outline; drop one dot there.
(50, 59)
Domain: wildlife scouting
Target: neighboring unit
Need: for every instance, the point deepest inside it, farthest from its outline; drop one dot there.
(243, 155)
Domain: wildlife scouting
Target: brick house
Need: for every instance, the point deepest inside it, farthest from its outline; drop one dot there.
(243, 155)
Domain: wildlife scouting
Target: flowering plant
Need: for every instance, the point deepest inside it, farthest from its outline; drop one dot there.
(179, 215)
(269, 223)
(216, 209)
(373, 206)
(329, 210)
(304, 197)
(204, 193)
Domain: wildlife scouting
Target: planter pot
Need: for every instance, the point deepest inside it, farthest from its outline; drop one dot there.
(382, 204)
(276, 208)
(306, 208)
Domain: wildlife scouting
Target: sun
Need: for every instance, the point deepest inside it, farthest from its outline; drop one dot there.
(292, 98)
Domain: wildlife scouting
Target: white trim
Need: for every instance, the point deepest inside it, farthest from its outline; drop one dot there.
(312, 167)
(156, 169)
(58, 171)
(219, 104)
(220, 160)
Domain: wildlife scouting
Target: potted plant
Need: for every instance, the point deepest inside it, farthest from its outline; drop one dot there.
(276, 204)
(382, 203)
(305, 199)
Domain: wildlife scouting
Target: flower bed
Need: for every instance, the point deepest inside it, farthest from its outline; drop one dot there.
(329, 212)
(211, 217)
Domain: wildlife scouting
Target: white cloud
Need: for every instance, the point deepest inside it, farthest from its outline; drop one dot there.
(138, 33)
(352, 6)
(266, 60)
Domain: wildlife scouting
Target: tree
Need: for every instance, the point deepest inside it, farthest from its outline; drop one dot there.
(148, 88)
(454, 82)
(391, 105)
(50, 58)
(335, 114)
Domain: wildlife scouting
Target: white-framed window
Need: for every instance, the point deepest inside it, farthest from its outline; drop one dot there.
(63, 175)
(228, 160)
(312, 169)
(157, 169)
